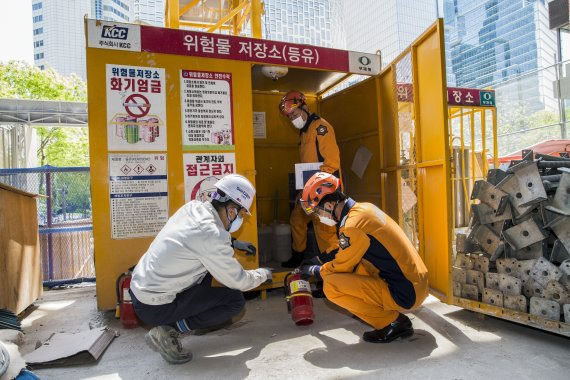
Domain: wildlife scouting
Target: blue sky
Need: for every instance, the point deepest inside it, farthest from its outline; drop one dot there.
(16, 41)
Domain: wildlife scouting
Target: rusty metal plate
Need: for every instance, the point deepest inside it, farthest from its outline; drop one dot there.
(481, 262)
(561, 201)
(477, 278)
(555, 291)
(470, 292)
(531, 189)
(493, 297)
(533, 251)
(487, 194)
(492, 280)
(544, 271)
(460, 242)
(523, 269)
(487, 214)
(457, 289)
(515, 302)
(510, 185)
(507, 266)
(533, 289)
(562, 230)
(510, 285)
(489, 241)
(459, 275)
(559, 253)
(565, 278)
(524, 234)
(463, 261)
(545, 308)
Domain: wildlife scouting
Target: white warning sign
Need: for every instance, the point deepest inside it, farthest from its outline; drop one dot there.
(206, 110)
(203, 170)
(136, 108)
(138, 188)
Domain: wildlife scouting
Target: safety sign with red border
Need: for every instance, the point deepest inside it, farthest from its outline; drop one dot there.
(203, 170)
(136, 108)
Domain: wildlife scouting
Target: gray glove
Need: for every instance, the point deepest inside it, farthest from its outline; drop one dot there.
(268, 272)
(245, 246)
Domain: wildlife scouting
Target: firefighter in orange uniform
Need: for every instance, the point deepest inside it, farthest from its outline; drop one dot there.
(377, 273)
(317, 144)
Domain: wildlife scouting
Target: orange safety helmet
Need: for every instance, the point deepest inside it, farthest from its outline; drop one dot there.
(292, 100)
(316, 188)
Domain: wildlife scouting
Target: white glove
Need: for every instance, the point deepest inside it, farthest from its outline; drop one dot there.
(268, 273)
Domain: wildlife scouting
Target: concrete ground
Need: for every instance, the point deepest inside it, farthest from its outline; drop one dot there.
(450, 343)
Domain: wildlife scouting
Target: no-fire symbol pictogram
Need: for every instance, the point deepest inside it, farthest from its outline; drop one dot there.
(137, 105)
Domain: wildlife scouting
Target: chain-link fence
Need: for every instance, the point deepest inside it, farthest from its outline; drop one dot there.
(64, 218)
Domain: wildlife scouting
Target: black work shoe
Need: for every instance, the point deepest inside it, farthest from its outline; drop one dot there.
(400, 328)
(294, 261)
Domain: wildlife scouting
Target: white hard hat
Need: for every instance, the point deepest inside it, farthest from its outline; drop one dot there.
(238, 189)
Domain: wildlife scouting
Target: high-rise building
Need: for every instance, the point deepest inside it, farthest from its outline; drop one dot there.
(489, 42)
(150, 12)
(313, 22)
(59, 37)
(386, 25)
(112, 10)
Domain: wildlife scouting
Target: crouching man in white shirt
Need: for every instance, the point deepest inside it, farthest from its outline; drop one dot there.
(171, 285)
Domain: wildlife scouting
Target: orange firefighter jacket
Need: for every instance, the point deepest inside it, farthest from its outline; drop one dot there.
(318, 144)
(372, 243)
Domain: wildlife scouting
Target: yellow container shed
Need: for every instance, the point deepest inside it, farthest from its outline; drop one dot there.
(169, 109)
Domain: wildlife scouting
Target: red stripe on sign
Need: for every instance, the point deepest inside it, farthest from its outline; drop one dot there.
(210, 45)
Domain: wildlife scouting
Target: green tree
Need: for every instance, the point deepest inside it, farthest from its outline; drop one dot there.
(19, 80)
(57, 146)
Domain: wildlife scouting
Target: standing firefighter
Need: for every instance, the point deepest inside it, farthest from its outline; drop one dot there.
(376, 273)
(317, 144)
(172, 287)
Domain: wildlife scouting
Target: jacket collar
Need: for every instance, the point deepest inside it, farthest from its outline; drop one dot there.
(312, 117)
(345, 210)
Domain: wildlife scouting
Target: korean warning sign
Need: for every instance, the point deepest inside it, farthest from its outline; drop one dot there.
(207, 120)
(136, 108)
(139, 194)
(203, 170)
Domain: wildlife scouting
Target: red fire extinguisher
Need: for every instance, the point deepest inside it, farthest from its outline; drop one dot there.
(299, 299)
(125, 308)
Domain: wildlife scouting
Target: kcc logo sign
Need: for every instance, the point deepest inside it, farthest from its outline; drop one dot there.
(114, 32)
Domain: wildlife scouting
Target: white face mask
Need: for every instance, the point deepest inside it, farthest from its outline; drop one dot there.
(298, 123)
(235, 225)
(327, 221)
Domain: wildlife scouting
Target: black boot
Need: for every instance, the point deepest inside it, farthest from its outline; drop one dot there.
(294, 261)
(400, 328)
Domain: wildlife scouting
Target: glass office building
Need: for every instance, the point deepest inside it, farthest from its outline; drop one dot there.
(59, 36)
(112, 10)
(490, 43)
(150, 12)
(387, 25)
(313, 22)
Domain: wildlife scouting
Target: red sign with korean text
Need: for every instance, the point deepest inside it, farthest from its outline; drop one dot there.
(193, 43)
(463, 96)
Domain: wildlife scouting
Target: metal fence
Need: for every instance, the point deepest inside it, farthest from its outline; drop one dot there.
(64, 218)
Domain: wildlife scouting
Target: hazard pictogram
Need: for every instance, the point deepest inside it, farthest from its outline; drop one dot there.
(137, 105)
(138, 169)
(125, 169)
(151, 168)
